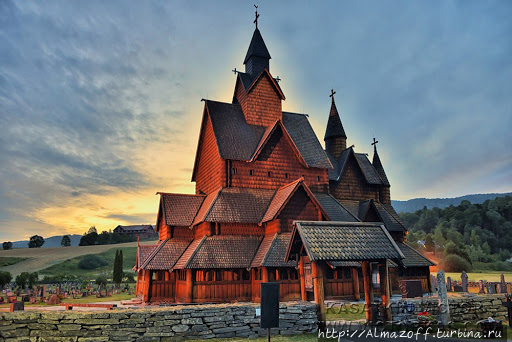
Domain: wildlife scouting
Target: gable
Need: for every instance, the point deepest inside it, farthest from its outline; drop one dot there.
(278, 144)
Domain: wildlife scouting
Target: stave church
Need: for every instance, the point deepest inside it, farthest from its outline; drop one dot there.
(272, 204)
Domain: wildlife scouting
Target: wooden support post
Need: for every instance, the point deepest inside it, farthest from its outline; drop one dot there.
(355, 282)
(368, 295)
(146, 281)
(303, 294)
(264, 274)
(318, 287)
(429, 281)
(190, 287)
(384, 291)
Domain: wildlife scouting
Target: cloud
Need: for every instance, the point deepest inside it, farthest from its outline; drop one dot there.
(100, 101)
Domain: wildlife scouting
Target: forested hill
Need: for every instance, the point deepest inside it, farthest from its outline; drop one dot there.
(414, 204)
(476, 232)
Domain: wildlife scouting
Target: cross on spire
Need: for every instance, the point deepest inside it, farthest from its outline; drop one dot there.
(257, 16)
(374, 143)
(234, 71)
(332, 95)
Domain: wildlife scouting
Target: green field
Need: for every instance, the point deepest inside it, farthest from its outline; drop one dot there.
(493, 276)
(7, 261)
(38, 259)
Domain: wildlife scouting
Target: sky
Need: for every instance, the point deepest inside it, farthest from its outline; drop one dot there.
(100, 101)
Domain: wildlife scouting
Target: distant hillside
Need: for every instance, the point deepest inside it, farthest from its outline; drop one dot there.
(414, 204)
(53, 241)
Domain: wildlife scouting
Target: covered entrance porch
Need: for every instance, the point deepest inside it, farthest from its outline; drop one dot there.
(317, 245)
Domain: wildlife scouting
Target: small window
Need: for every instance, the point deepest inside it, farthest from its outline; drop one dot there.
(233, 171)
(318, 178)
(286, 175)
(270, 173)
(251, 172)
(304, 176)
(347, 273)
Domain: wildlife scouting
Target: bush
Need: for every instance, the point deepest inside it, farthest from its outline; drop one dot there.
(91, 262)
(455, 263)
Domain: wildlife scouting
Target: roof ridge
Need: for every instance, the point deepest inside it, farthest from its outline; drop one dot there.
(339, 203)
(391, 214)
(178, 194)
(203, 239)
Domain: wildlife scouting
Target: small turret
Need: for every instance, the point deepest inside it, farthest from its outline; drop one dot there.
(335, 137)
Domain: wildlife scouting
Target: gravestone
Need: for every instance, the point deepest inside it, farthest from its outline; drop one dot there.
(444, 307)
(457, 288)
(503, 284)
(481, 287)
(491, 288)
(464, 280)
(508, 305)
(449, 284)
(433, 282)
(17, 306)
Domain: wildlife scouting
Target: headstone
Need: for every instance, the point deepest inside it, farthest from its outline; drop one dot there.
(481, 287)
(43, 293)
(449, 284)
(33, 300)
(508, 305)
(444, 308)
(491, 288)
(457, 288)
(464, 280)
(17, 306)
(53, 300)
(503, 284)
(57, 291)
(433, 282)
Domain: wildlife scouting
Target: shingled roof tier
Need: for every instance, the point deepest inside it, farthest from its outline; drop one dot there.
(283, 195)
(237, 205)
(222, 251)
(180, 209)
(143, 252)
(272, 252)
(257, 47)
(345, 241)
(413, 258)
(386, 212)
(379, 168)
(370, 174)
(165, 255)
(334, 209)
(238, 140)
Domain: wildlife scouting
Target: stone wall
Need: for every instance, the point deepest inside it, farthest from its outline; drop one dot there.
(157, 324)
(468, 307)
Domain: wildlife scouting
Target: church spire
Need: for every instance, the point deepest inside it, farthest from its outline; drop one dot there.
(257, 57)
(378, 165)
(335, 137)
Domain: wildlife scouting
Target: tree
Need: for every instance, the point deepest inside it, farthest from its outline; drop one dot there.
(7, 245)
(429, 243)
(36, 241)
(66, 241)
(21, 280)
(5, 278)
(117, 276)
(92, 230)
(32, 279)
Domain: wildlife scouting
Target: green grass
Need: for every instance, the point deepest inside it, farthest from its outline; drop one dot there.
(6, 261)
(70, 266)
(492, 276)
(346, 312)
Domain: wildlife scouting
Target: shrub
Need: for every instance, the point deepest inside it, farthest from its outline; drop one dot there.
(455, 263)
(91, 262)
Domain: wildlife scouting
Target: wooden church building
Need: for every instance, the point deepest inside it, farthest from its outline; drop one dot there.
(272, 204)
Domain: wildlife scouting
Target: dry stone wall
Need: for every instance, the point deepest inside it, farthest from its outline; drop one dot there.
(468, 307)
(158, 324)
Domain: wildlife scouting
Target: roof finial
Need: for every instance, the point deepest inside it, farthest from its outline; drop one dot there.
(332, 95)
(257, 16)
(374, 143)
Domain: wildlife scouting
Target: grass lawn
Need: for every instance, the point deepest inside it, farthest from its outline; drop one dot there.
(70, 266)
(90, 299)
(7, 261)
(492, 276)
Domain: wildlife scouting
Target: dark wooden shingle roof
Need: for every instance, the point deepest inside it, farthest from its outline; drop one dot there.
(224, 251)
(346, 241)
(413, 258)
(334, 126)
(165, 254)
(257, 47)
(180, 209)
(334, 209)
